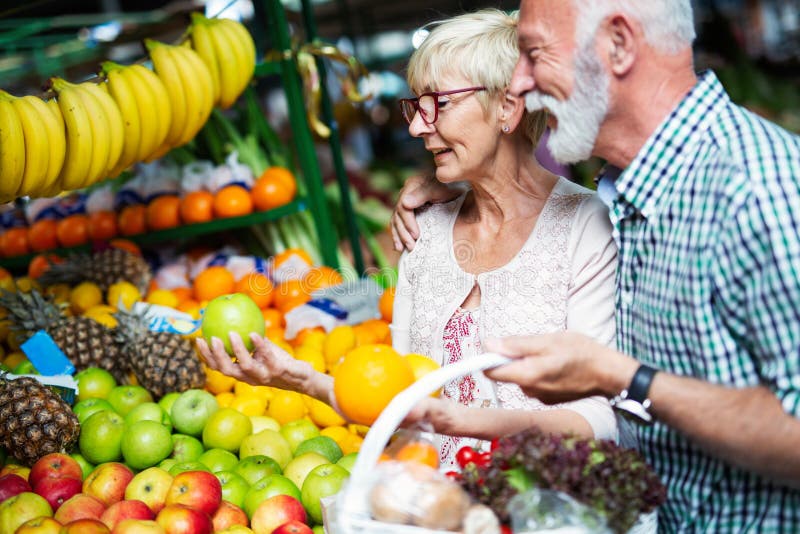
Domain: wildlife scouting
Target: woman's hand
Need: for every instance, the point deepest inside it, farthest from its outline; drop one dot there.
(441, 414)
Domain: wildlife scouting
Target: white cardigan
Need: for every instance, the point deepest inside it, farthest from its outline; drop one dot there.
(561, 279)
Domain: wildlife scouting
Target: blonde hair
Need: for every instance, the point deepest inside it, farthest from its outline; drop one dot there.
(482, 47)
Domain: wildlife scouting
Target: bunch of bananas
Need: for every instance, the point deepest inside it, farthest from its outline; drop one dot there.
(228, 50)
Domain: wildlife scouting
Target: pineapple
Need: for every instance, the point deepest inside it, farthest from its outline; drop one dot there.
(103, 268)
(84, 341)
(162, 362)
(34, 420)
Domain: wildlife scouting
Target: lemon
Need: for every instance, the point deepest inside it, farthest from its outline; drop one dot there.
(422, 365)
(249, 404)
(322, 414)
(26, 283)
(102, 314)
(339, 434)
(314, 339)
(311, 355)
(286, 406)
(217, 382)
(163, 297)
(225, 399)
(337, 343)
(84, 296)
(124, 293)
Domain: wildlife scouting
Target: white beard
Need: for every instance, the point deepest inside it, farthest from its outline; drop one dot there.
(580, 116)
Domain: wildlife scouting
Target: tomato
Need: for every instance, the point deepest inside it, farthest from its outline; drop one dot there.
(482, 459)
(465, 455)
(505, 529)
(495, 444)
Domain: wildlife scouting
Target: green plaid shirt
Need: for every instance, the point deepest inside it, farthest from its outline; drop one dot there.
(707, 220)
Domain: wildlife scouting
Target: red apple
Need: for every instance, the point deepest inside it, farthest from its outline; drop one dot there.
(39, 525)
(200, 490)
(11, 485)
(85, 526)
(80, 506)
(138, 526)
(150, 486)
(276, 511)
(108, 482)
(126, 510)
(180, 519)
(15, 469)
(293, 527)
(227, 515)
(58, 490)
(54, 465)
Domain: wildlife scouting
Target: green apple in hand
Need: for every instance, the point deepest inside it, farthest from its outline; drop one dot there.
(232, 313)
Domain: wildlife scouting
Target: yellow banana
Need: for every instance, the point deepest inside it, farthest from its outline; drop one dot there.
(12, 150)
(79, 135)
(37, 156)
(201, 42)
(101, 135)
(128, 105)
(229, 61)
(53, 126)
(166, 70)
(197, 87)
(116, 126)
(238, 31)
(155, 112)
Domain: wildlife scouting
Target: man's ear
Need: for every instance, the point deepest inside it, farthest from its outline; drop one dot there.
(620, 43)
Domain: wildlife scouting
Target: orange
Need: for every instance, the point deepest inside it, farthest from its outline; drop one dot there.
(258, 287)
(368, 379)
(305, 334)
(365, 335)
(212, 283)
(272, 318)
(272, 189)
(182, 293)
(197, 207)
(232, 201)
(190, 306)
(132, 220)
(285, 406)
(40, 263)
(73, 230)
(420, 452)
(102, 225)
(380, 330)
(290, 294)
(386, 303)
(421, 365)
(164, 212)
(126, 244)
(339, 341)
(282, 257)
(15, 242)
(42, 235)
(322, 276)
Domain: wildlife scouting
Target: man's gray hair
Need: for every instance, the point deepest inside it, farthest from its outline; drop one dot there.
(668, 24)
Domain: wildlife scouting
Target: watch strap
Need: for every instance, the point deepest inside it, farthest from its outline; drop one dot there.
(640, 383)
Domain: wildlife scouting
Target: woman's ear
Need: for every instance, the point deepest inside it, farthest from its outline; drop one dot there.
(511, 111)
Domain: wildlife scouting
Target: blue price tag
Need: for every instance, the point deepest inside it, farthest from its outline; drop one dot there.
(45, 355)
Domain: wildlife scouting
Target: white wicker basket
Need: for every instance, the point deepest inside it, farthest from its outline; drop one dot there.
(349, 513)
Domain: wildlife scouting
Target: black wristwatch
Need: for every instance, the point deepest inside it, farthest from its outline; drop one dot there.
(633, 403)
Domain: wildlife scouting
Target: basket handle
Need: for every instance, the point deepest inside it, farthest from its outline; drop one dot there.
(352, 500)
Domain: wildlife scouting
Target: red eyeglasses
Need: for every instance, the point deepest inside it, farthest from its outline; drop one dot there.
(427, 104)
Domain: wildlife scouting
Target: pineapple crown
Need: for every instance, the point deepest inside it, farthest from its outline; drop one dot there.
(30, 312)
(103, 268)
(131, 326)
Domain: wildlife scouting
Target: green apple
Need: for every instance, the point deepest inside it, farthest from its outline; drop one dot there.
(300, 466)
(234, 487)
(167, 464)
(125, 398)
(321, 445)
(18, 509)
(25, 367)
(94, 382)
(83, 409)
(186, 448)
(298, 431)
(232, 313)
(266, 488)
(318, 529)
(168, 400)
(218, 460)
(254, 468)
(322, 481)
(182, 467)
(101, 437)
(86, 467)
(264, 422)
(269, 443)
(148, 411)
(225, 429)
(146, 443)
(191, 411)
(348, 461)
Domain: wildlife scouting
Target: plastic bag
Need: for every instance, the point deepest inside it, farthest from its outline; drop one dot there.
(359, 298)
(547, 510)
(318, 312)
(196, 176)
(100, 199)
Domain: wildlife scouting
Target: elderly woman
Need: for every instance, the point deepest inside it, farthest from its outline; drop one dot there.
(521, 252)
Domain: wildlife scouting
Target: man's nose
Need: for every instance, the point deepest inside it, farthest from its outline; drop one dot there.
(522, 79)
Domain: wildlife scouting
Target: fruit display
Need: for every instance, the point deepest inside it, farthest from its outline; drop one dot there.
(103, 268)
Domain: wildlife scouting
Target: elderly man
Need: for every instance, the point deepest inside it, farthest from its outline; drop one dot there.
(704, 198)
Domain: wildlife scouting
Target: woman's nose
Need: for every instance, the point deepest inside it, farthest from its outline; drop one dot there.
(419, 127)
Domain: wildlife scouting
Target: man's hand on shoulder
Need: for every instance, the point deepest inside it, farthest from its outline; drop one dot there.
(417, 191)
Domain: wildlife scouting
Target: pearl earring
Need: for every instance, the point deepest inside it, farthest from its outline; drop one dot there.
(506, 129)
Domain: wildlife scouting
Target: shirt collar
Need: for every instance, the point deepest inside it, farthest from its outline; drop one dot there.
(646, 180)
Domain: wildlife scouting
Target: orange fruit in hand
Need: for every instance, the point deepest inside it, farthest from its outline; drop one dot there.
(420, 452)
(232, 201)
(132, 220)
(73, 230)
(164, 212)
(258, 287)
(368, 379)
(274, 188)
(15, 242)
(102, 225)
(197, 207)
(42, 235)
(213, 282)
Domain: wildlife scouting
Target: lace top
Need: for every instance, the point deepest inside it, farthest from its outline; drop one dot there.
(562, 278)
